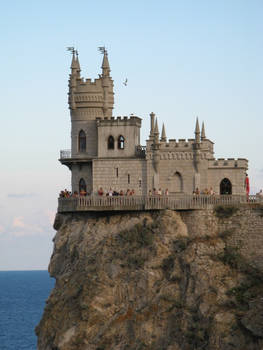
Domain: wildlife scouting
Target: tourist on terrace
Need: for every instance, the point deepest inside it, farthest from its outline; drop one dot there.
(166, 192)
(100, 191)
(82, 192)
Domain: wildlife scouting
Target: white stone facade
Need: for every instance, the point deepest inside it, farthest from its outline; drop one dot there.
(106, 151)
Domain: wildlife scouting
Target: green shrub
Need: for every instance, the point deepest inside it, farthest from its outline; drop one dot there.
(231, 257)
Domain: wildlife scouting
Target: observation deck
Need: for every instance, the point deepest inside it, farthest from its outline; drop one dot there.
(95, 203)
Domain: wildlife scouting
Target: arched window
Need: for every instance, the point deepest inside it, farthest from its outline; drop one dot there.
(176, 183)
(111, 142)
(121, 142)
(225, 186)
(82, 141)
(82, 186)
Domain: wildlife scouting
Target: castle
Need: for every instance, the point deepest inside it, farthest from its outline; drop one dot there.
(106, 151)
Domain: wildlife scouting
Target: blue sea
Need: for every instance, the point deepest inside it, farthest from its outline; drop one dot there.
(22, 301)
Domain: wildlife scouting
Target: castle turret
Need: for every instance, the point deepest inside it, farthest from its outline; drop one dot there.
(197, 132)
(203, 137)
(163, 136)
(152, 116)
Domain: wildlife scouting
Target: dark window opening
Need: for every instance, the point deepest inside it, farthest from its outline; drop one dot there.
(129, 178)
(111, 142)
(82, 141)
(117, 172)
(121, 142)
(225, 186)
(82, 186)
(140, 183)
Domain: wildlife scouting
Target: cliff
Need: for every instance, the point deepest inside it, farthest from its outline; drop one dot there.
(156, 280)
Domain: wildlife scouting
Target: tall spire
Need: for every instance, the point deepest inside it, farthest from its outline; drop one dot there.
(105, 64)
(197, 131)
(156, 129)
(203, 132)
(152, 116)
(74, 64)
(77, 64)
(163, 136)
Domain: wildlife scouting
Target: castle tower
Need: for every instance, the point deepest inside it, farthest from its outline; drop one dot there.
(88, 100)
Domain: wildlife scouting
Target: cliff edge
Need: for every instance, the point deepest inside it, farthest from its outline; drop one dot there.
(161, 280)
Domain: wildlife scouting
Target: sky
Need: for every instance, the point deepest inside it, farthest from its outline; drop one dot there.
(182, 59)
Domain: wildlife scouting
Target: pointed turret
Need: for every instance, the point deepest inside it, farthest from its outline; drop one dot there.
(203, 132)
(74, 63)
(77, 64)
(105, 65)
(156, 132)
(152, 116)
(197, 131)
(163, 136)
(156, 129)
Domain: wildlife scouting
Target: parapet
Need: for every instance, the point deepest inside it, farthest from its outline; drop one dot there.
(117, 121)
(228, 163)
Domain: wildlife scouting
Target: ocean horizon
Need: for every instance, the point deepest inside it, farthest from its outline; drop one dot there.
(22, 300)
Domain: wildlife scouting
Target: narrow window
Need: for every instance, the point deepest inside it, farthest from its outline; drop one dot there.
(121, 142)
(129, 178)
(111, 142)
(140, 183)
(82, 141)
(117, 172)
(82, 186)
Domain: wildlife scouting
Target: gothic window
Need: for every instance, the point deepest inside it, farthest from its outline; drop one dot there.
(111, 142)
(121, 142)
(82, 185)
(225, 186)
(82, 141)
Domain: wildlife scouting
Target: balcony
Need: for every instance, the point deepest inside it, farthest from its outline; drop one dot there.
(65, 154)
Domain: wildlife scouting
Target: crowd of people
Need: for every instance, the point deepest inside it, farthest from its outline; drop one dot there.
(130, 192)
(206, 191)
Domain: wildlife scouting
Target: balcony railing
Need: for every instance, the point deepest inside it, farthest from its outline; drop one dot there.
(124, 203)
(65, 153)
(140, 151)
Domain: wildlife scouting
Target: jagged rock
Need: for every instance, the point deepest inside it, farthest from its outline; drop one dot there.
(150, 280)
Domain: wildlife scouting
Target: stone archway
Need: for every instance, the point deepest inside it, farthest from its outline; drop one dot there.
(225, 186)
(176, 183)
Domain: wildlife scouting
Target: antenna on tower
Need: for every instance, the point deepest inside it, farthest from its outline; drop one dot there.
(102, 49)
(71, 49)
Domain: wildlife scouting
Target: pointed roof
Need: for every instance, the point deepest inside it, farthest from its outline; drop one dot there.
(163, 136)
(105, 64)
(203, 131)
(197, 131)
(74, 64)
(77, 61)
(197, 128)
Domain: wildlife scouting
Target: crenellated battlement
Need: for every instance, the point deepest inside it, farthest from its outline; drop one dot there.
(228, 163)
(117, 121)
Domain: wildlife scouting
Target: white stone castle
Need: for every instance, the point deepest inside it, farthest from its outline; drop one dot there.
(106, 151)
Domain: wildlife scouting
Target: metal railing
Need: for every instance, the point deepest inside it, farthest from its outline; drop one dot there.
(123, 203)
(65, 153)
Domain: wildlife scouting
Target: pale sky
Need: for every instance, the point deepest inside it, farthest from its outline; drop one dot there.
(182, 59)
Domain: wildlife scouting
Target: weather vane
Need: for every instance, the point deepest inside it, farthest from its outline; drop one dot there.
(102, 49)
(72, 50)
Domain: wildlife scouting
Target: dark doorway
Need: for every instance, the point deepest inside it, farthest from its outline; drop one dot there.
(82, 185)
(225, 186)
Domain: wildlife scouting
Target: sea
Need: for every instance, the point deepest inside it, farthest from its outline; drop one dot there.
(22, 300)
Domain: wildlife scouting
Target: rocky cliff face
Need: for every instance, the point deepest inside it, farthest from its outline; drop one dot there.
(156, 280)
